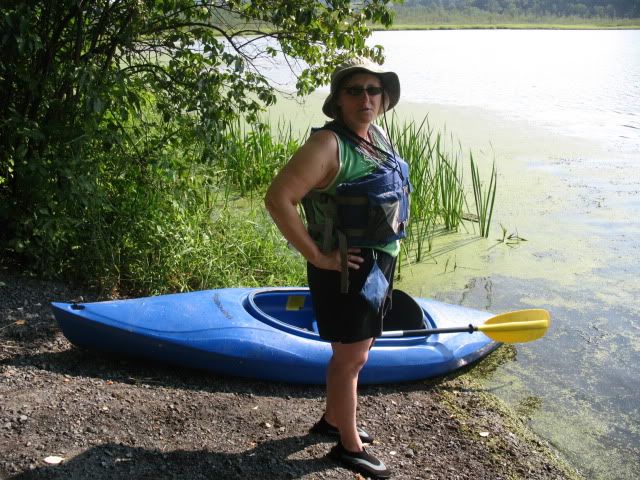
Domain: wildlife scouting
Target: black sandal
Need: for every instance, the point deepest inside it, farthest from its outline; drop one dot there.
(325, 428)
(362, 462)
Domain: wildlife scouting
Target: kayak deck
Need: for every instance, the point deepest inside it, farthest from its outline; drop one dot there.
(269, 334)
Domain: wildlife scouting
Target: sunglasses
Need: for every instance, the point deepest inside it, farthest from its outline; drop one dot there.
(359, 91)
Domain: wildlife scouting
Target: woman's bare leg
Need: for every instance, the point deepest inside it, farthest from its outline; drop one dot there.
(342, 389)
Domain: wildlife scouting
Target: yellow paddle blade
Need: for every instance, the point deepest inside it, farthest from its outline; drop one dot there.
(518, 326)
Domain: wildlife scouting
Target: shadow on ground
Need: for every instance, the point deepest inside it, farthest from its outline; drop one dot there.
(77, 362)
(113, 461)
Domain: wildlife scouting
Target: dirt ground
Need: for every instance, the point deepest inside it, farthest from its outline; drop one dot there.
(113, 418)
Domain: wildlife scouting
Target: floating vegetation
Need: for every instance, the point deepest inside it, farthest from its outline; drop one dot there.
(510, 240)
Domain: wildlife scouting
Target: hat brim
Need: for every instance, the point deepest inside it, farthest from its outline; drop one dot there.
(390, 82)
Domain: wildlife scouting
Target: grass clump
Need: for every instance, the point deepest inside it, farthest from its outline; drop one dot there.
(251, 155)
(178, 232)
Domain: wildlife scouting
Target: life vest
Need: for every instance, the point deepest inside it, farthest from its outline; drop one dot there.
(369, 211)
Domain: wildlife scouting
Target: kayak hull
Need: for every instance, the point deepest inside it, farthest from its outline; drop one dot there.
(268, 334)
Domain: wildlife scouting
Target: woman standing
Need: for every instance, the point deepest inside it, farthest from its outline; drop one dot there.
(346, 251)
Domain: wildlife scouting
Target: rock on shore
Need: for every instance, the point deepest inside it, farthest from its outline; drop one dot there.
(70, 414)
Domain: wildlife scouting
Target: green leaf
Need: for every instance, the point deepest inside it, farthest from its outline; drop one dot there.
(98, 105)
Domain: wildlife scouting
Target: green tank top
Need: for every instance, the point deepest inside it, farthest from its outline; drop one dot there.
(353, 165)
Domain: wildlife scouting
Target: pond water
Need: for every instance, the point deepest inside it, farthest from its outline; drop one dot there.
(582, 83)
(559, 111)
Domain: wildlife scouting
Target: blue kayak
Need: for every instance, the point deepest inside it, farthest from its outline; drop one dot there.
(271, 334)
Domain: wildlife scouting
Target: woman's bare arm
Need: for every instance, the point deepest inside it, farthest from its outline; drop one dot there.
(314, 165)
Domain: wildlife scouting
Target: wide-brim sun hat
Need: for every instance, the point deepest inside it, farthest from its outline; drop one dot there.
(390, 82)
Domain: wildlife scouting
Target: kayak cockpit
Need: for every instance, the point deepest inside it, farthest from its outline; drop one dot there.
(286, 309)
(292, 310)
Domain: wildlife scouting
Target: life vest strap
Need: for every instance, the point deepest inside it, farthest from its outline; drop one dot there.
(354, 232)
(344, 200)
(326, 235)
(344, 264)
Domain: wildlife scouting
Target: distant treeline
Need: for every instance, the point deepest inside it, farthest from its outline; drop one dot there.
(582, 8)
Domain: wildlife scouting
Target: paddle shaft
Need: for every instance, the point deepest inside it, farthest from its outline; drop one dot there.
(429, 331)
(502, 328)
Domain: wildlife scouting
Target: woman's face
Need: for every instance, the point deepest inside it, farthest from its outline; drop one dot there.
(360, 99)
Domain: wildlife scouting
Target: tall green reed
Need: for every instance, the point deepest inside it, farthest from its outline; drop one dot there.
(448, 176)
(484, 195)
(413, 143)
(436, 176)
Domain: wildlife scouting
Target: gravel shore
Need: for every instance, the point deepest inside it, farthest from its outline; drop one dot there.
(113, 418)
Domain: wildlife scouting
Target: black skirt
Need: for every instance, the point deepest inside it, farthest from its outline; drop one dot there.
(347, 317)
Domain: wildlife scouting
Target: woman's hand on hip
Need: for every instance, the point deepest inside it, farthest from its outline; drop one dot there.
(332, 261)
